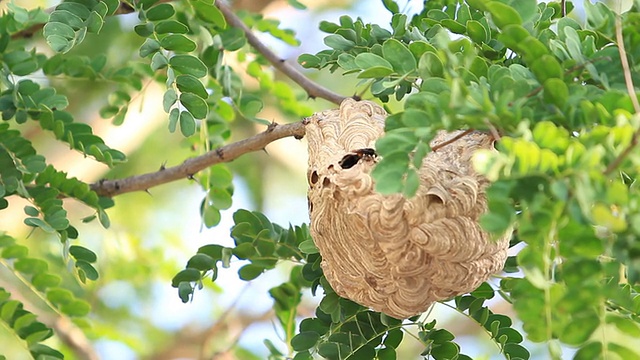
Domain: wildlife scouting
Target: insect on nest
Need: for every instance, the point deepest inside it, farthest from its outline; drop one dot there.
(351, 159)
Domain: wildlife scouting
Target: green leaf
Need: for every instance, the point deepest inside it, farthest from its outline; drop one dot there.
(386, 354)
(14, 252)
(391, 5)
(94, 22)
(399, 56)
(201, 262)
(250, 272)
(160, 12)
(31, 211)
(144, 30)
(446, 350)
(546, 67)
(59, 296)
(178, 43)
(512, 336)
(308, 247)
(527, 9)
(43, 281)
(556, 92)
(103, 218)
(503, 14)
(625, 325)
(304, 340)
(41, 351)
(76, 308)
(173, 119)
(168, 99)
(220, 198)
(8, 309)
(394, 338)
(188, 64)
(338, 42)
(36, 222)
(59, 29)
(149, 47)
(579, 330)
(185, 291)
(196, 105)
(6, 240)
(233, 39)
(159, 61)
(170, 26)
(66, 17)
(296, 4)
(454, 26)
(58, 44)
(346, 61)
(309, 61)
(31, 266)
(477, 32)
(592, 350)
(112, 6)
(89, 271)
(186, 275)
(516, 351)
(484, 291)
(495, 223)
(24, 321)
(412, 183)
(187, 124)
(190, 84)
(367, 60)
(101, 9)
(82, 253)
(209, 13)
(622, 351)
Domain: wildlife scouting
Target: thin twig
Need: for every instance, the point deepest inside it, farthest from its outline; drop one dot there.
(191, 166)
(313, 89)
(632, 93)
(452, 140)
(625, 66)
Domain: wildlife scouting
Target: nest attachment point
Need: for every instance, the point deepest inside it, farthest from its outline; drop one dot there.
(393, 254)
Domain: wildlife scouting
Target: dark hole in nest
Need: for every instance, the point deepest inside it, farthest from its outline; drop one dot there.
(350, 160)
(435, 199)
(314, 178)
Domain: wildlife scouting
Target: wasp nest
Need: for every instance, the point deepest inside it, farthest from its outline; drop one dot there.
(390, 253)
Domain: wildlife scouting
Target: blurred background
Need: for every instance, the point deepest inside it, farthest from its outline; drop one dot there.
(136, 314)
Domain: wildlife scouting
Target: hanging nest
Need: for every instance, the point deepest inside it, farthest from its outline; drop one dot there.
(387, 252)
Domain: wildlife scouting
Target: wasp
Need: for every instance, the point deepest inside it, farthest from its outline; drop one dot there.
(351, 159)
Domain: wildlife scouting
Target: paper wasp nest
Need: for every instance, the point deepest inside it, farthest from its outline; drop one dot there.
(390, 253)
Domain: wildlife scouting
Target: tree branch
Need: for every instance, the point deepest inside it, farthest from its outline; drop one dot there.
(191, 166)
(313, 89)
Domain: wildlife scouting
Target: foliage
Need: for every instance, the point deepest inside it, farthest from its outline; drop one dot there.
(558, 93)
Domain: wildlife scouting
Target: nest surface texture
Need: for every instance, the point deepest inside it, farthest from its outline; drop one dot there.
(393, 254)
